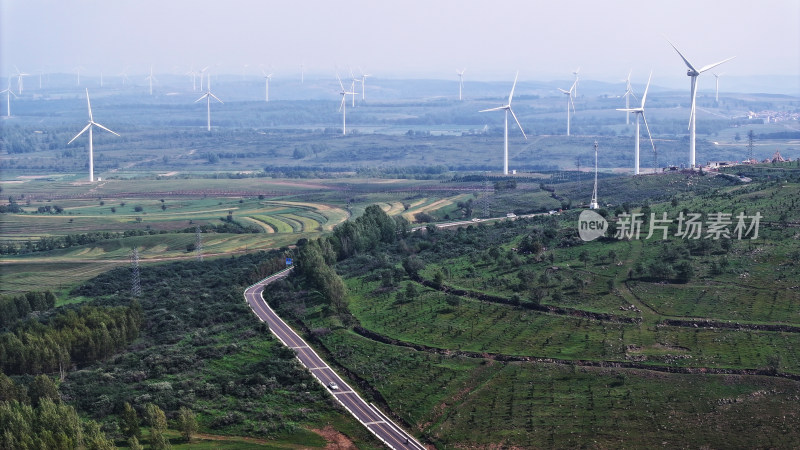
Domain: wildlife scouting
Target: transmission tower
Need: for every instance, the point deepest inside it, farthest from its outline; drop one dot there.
(198, 243)
(593, 204)
(486, 195)
(136, 282)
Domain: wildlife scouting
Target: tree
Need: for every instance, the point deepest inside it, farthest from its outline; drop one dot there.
(41, 388)
(584, 257)
(129, 422)
(438, 279)
(133, 444)
(158, 424)
(187, 423)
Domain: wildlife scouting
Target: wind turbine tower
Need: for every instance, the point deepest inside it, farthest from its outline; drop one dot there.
(89, 127)
(593, 204)
(343, 107)
(208, 95)
(460, 81)
(363, 83)
(693, 74)
(9, 93)
(507, 109)
(576, 81)
(628, 93)
(570, 93)
(150, 80)
(267, 77)
(640, 112)
(716, 91)
(20, 75)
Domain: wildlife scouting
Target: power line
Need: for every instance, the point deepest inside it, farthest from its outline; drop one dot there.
(198, 243)
(136, 281)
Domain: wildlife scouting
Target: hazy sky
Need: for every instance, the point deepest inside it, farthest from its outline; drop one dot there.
(402, 38)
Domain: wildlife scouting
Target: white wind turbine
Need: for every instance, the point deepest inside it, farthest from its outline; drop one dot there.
(19, 76)
(628, 94)
(576, 81)
(363, 82)
(507, 109)
(202, 75)
(208, 95)
(267, 77)
(570, 93)
(640, 112)
(716, 91)
(9, 93)
(694, 73)
(124, 75)
(343, 107)
(460, 81)
(78, 73)
(89, 127)
(193, 73)
(150, 78)
(353, 86)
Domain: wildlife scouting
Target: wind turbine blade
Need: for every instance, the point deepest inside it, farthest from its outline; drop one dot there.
(512, 88)
(518, 124)
(493, 109)
(711, 66)
(340, 82)
(89, 104)
(648, 132)
(82, 131)
(215, 97)
(562, 90)
(204, 96)
(112, 132)
(630, 110)
(644, 96)
(343, 102)
(688, 64)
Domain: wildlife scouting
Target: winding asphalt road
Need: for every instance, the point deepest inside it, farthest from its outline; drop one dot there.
(375, 421)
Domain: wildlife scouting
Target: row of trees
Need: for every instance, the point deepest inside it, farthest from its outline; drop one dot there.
(34, 417)
(13, 308)
(363, 234)
(71, 337)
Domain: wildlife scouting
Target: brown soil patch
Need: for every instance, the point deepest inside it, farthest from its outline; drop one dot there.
(335, 440)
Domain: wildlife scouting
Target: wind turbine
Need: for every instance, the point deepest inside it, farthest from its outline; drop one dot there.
(576, 81)
(202, 74)
(343, 106)
(267, 77)
(9, 93)
(89, 127)
(716, 94)
(507, 109)
(693, 74)
(640, 112)
(353, 85)
(570, 93)
(208, 96)
(302, 73)
(628, 94)
(78, 72)
(19, 79)
(124, 75)
(150, 79)
(363, 82)
(460, 81)
(192, 73)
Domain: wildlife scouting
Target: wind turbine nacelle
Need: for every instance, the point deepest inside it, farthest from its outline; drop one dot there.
(692, 73)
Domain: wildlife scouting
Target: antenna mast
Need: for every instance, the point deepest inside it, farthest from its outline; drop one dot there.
(593, 204)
